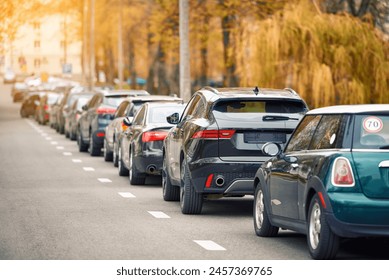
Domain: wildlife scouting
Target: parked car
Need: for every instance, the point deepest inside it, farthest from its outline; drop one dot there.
(330, 181)
(53, 120)
(97, 114)
(75, 111)
(127, 108)
(215, 148)
(140, 152)
(19, 91)
(44, 106)
(29, 104)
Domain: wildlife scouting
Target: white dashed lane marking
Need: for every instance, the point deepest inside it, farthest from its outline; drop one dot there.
(54, 143)
(88, 168)
(67, 153)
(49, 138)
(104, 180)
(126, 194)
(60, 147)
(76, 160)
(210, 245)
(159, 214)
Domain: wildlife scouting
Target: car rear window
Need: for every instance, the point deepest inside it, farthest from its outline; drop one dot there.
(113, 101)
(371, 132)
(260, 106)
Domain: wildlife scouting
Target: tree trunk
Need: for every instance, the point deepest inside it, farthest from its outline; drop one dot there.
(230, 79)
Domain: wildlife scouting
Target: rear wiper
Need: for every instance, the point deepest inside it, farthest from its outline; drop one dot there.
(277, 118)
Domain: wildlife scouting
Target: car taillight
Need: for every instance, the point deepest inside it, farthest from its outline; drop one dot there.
(124, 127)
(214, 134)
(105, 110)
(342, 174)
(46, 107)
(78, 116)
(151, 136)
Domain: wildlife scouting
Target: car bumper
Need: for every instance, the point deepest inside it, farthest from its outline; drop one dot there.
(214, 176)
(149, 163)
(355, 215)
(98, 137)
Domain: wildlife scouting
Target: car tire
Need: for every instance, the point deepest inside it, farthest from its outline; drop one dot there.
(191, 202)
(82, 146)
(262, 225)
(323, 244)
(169, 191)
(123, 171)
(135, 177)
(115, 154)
(108, 155)
(94, 150)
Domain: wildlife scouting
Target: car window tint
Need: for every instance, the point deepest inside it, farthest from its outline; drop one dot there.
(326, 134)
(138, 119)
(260, 106)
(371, 131)
(190, 108)
(113, 101)
(121, 109)
(302, 136)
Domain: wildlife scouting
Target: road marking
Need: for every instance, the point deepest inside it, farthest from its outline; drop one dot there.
(49, 138)
(126, 194)
(88, 168)
(210, 245)
(60, 147)
(44, 134)
(159, 214)
(104, 180)
(67, 153)
(54, 143)
(76, 160)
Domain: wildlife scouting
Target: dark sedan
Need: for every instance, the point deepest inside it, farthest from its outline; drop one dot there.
(127, 108)
(215, 148)
(140, 152)
(97, 114)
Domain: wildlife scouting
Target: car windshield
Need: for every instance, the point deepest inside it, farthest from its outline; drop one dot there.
(82, 101)
(371, 132)
(260, 106)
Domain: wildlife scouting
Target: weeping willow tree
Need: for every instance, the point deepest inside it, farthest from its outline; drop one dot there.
(329, 59)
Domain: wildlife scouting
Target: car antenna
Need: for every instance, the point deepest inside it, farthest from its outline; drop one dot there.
(256, 90)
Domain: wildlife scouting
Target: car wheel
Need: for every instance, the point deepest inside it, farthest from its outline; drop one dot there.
(94, 150)
(82, 147)
(191, 202)
(123, 171)
(135, 177)
(108, 156)
(115, 155)
(169, 192)
(262, 225)
(322, 242)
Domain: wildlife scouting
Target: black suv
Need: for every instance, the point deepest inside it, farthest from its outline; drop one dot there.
(215, 148)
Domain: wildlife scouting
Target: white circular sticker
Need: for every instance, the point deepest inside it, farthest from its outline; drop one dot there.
(372, 124)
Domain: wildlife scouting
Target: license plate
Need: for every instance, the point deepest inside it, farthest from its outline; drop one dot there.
(263, 137)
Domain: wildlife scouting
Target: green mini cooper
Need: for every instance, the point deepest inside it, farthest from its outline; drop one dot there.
(331, 180)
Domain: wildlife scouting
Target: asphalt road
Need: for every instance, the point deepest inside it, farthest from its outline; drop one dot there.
(58, 203)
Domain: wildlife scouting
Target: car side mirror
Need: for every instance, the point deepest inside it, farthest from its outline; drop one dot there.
(271, 149)
(127, 121)
(173, 118)
(84, 107)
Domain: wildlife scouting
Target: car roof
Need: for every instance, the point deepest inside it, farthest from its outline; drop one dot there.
(163, 104)
(253, 92)
(146, 98)
(351, 109)
(134, 92)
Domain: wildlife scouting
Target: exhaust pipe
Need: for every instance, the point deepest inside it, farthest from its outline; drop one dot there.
(219, 181)
(151, 168)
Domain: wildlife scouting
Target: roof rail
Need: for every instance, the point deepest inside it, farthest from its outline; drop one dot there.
(292, 91)
(214, 90)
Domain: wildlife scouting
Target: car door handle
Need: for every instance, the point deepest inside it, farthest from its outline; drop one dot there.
(294, 165)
